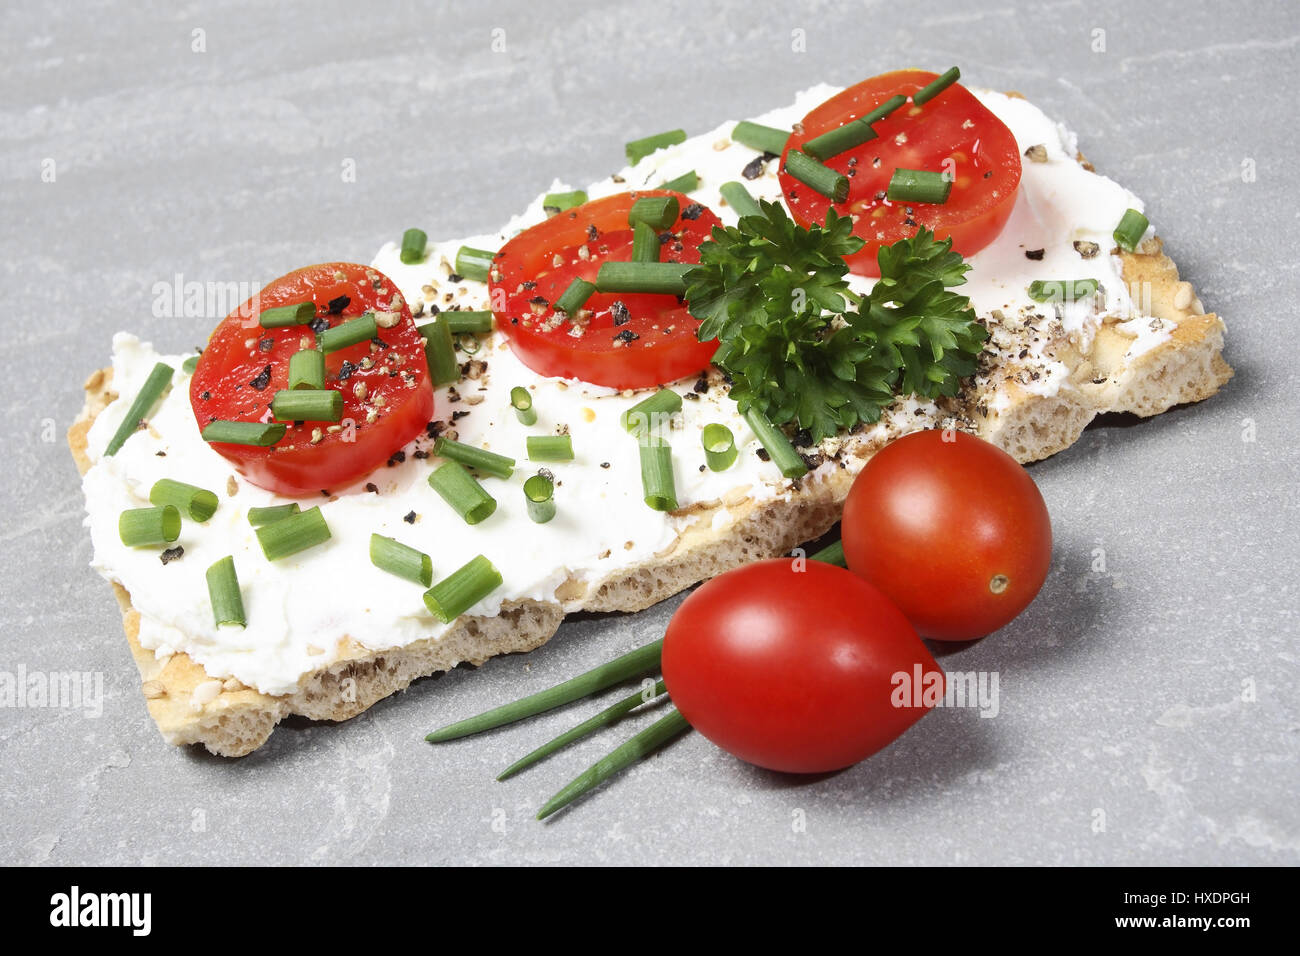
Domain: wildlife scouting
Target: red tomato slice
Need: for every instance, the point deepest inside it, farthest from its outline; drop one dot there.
(629, 341)
(954, 128)
(387, 394)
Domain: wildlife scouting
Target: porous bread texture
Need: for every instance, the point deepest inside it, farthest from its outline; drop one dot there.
(231, 720)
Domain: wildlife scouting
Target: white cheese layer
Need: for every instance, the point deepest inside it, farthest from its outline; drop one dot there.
(300, 609)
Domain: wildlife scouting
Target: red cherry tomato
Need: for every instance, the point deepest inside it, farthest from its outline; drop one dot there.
(953, 133)
(387, 394)
(795, 670)
(627, 341)
(952, 529)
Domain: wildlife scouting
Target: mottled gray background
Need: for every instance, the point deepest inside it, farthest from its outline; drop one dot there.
(1121, 692)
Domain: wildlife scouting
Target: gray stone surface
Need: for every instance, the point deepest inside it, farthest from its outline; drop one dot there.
(1121, 691)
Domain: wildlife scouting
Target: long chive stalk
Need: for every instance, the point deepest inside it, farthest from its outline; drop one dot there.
(936, 86)
(150, 392)
(778, 447)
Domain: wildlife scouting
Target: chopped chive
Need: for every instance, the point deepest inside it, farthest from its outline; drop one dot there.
(884, 109)
(643, 660)
(1058, 290)
(294, 533)
(195, 503)
(579, 291)
(299, 314)
(307, 405)
(263, 434)
(462, 589)
(687, 182)
(765, 139)
(822, 179)
(462, 322)
(936, 86)
(562, 201)
(459, 489)
(1132, 227)
(190, 364)
(659, 212)
(389, 554)
(440, 351)
(831, 554)
(307, 369)
(140, 527)
(653, 413)
(260, 516)
(474, 263)
(488, 462)
(839, 140)
(720, 450)
(639, 149)
(656, 278)
(919, 185)
(645, 243)
(521, 400)
(549, 448)
(151, 391)
(223, 592)
(657, 483)
(539, 495)
(414, 242)
(610, 715)
(663, 730)
(360, 329)
(778, 447)
(739, 199)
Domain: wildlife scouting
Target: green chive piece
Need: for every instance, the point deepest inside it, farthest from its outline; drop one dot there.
(307, 369)
(480, 459)
(778, 447)
(463, 322)
(549, 448)
(645, 243)
(1062, 290)
(223, 592)
(610, 715)
(150, 392)
(197, 504)
(562, 201)
(521, 400)
(919, 185)
(661, 278)
(1132, 227)
(307, 405)
(822, 179)
(643, 660)
(720, 451)
(687, 182)
(831, 554)
(539, 495)
(657, 482)
(639, 149)
(765, 139)
(462, 589)
(839, 140)
(260, 516)
(190, 364)
(440, 352)
(389, 554)
(580, 290)
(658, 212)
(263, 434)
(739, 199)
(474, 263)
(936, 86)
(292, 534)
(360, 329)
(661, 732)
(652, 414)
(459, 489)
(414, 242)
(141, 527)
(299, 314)
(884, 109)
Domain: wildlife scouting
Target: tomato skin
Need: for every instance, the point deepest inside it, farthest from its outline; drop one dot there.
(793, 670)
(665, 347)
(984, 155)
(932, 521)
(296, 466)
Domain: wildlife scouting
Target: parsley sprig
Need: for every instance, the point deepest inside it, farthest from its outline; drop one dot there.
(804, 348)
